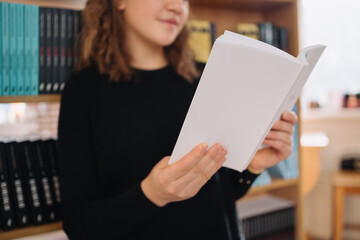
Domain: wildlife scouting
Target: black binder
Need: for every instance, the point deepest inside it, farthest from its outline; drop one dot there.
(7, 214)
(51, 213)
(17, 185)
(32, 183)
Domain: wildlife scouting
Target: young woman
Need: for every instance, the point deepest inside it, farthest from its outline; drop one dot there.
(120, 117)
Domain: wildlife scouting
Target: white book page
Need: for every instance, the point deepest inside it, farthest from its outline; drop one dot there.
(235, 102)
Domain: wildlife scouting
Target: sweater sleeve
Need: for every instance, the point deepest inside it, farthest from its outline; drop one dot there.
(86, 214)
(242, 182)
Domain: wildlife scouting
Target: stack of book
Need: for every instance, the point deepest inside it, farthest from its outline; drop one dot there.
(29, 183)
(36, 48)
(267, 217)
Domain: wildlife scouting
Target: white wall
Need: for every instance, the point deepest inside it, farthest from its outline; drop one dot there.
(343, 131)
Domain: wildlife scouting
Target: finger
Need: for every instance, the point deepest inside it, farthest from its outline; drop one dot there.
(206, 167)
(185, 164)
(290, 117)
(280, 146)
(280, 136)
(284, 126)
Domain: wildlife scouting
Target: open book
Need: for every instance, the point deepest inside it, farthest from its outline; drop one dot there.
(245, 87)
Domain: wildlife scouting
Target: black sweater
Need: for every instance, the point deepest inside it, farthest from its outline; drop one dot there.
(110, 137)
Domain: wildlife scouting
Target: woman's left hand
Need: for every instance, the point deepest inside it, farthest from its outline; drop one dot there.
(280, 142)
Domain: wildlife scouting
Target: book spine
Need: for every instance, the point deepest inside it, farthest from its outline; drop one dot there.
(31, 184)
(77, 26)
(51, 213)
(5, 49)
(1, 55)
(13, 51)
(27, 82)
(63, 49)
(42, 51)
(20, 21)
(7, 216)
(55, 50)
(49, 45)
(283, 38)
(17, 185)
(70, 42)
(53, 163)
(34, 36)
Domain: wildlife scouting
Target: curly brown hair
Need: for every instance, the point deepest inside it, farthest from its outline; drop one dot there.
(101, 43)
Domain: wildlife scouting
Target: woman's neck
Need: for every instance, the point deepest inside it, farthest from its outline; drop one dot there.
(146, 56)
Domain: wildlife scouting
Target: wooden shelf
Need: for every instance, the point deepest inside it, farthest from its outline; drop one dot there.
(275, 185)
(257, 5)
(30, 99)
(28, 231)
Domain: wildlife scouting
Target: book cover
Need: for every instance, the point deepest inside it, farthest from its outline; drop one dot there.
(200, 39)
(49, 48)
(70, 45)
(7, 215)
(13, 51)
(46, 182)
(31, 183)
(55, 50)
(20, 41)
(51, 153)
(1, 55)
(42, 50)
(63, 74)
(34, 37)
(28, 59)
(5, 49)
(249, 30)
(17, 185)
(77, 29)
(235, 104)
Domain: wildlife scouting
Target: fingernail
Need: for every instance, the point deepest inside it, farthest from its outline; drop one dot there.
(203, 147)
(218, 148)
(224, 152)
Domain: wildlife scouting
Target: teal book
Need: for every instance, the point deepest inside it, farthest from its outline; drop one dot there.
(20, 40)
(13, 51)
(289, 168)
(5, 70)
(1, 60)
(34, 37)
(27, 48)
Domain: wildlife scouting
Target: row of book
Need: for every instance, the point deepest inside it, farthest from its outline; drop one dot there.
(202, 35)
(29, 183)
(36, 48)
(266, 217)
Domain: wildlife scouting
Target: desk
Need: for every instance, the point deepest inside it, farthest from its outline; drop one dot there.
(344, 183)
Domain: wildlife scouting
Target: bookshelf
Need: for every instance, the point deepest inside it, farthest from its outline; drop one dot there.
(225, 14)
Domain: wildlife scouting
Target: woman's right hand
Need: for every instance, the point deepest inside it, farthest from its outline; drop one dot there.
(183, 179)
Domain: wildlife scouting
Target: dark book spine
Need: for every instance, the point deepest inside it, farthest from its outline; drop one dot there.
(55, 50)
(50, 153)
(77, 26)
(70, 42)
(283, 38)
(17, 185)
(63, 75)
(31, 184)
(49, 49)
(46, 183)
(42, 54)
(7, 215)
